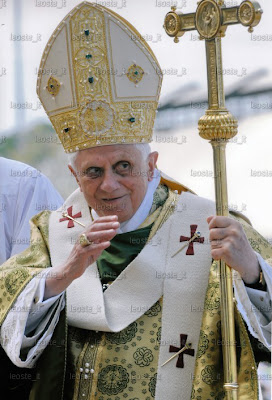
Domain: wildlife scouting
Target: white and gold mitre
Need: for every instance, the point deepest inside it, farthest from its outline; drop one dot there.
(104, 81)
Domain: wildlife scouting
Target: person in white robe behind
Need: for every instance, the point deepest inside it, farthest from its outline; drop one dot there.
(24, 192)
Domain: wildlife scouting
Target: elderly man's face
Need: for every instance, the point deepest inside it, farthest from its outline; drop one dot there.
(114, 178)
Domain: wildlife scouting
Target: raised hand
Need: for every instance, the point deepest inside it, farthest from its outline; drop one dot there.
(100, 233)
(229, 243)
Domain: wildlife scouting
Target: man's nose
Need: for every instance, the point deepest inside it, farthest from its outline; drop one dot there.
(110, 182)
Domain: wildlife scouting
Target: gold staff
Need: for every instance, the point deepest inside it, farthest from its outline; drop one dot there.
(211, 20)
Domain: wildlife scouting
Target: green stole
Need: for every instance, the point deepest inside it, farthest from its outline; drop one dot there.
(122, 251)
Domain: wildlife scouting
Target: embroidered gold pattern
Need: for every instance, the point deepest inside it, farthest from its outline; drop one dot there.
(97, 119)
(109, 364)
(135, 73)
(53, 86)
(15, 279)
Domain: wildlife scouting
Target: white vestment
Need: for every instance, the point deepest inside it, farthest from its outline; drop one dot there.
(148, 277)
(24, 192)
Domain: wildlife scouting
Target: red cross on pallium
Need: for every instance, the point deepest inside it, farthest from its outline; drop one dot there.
(190, 250)
(70, 213)
(173, 349)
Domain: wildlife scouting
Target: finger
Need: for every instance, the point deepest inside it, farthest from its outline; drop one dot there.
(220, 222)
(106, 218)
(217, 254)
(216, 244)
(101, 236)
(209, 219)
(218, 234)
(104, 226)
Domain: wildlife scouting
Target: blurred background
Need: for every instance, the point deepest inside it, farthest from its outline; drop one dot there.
(27, 135)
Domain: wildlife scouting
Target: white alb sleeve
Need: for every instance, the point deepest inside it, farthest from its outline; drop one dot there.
(255, 305)
(29, 325)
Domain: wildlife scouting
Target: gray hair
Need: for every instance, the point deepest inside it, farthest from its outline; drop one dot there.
(144, 148)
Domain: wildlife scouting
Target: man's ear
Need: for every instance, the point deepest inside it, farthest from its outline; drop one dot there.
(75, 175)
(152, 161)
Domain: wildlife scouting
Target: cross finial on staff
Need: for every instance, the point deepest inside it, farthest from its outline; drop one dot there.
(212, 18)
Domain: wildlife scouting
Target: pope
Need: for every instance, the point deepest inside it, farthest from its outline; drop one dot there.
(118, 295)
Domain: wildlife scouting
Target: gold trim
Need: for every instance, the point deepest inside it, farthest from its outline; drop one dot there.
(174, 185)
(78, 373)
(133, 118)
(166, 211)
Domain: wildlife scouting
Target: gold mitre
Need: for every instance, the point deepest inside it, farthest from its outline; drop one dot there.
(104, 80)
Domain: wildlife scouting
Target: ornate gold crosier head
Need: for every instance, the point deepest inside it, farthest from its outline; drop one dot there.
(211, 20)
